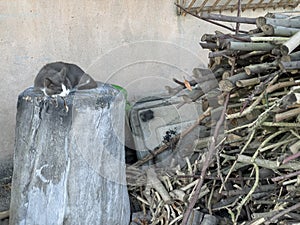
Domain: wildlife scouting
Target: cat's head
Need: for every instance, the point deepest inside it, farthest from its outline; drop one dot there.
(55, 83)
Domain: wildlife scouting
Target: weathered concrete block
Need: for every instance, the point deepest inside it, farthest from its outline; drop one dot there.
(69, 165)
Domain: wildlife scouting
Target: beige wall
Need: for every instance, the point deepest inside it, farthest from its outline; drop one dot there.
(139, 44)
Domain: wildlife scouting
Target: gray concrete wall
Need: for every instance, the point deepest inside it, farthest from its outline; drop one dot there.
(138, 44)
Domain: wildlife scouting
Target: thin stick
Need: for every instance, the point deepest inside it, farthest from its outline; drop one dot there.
(280, 124)
(282, 213)
(237, 28)
(291, 157)
(210, 155)
(248, 196)
(235, 162)
(286, 176)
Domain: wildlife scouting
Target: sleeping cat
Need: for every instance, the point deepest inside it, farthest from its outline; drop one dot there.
(59, 78)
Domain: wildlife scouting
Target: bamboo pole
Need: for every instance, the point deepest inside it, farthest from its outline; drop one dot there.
(295, 56)
(291, 44)
(287, 115)
(229, 83)
(260, 68)
(253, 53)
(245, 46)
(269, 39)
(288, 22)
(209, 37)
(208, 45)
(220, 53)
(278, 30)
(293, 65)
(251, 81)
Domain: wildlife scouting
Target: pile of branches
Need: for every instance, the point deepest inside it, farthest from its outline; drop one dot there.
(247, 171)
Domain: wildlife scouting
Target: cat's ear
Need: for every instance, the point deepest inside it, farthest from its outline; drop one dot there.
(47, 82)
(63, 73)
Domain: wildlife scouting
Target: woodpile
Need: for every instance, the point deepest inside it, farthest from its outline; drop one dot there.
(260, 71)
(247, 171)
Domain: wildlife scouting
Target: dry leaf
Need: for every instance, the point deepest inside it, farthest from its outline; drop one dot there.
(187, 85)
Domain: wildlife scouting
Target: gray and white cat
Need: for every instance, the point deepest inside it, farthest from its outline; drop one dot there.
(59, 78)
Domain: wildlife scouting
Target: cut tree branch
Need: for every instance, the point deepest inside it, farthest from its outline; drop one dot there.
(207, 20)
(211, 153)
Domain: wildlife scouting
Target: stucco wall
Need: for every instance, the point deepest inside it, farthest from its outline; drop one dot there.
(138, 44)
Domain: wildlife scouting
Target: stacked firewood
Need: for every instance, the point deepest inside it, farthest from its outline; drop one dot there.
(249, 169)
(259, 159)
(242, 58)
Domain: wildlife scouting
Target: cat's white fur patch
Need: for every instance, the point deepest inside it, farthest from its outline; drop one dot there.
(65, 91)
(44, 90)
